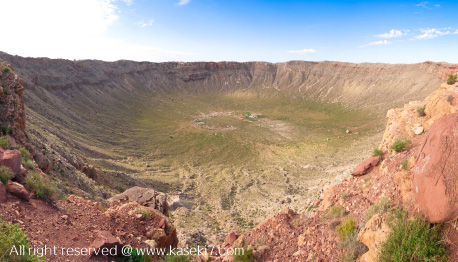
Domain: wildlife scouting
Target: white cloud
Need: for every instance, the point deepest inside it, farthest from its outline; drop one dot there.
(128, 2)
(73, 29)
(303, 51)
(426, 5)
(183, 2)
(393, 34)
(381, 42)
(423, 4)
(431, 33)
(145, 24)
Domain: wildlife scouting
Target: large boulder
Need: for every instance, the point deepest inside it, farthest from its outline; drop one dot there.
(435, 173)
(18, 190)
(11, 159)
(144, 196)
(366, 166)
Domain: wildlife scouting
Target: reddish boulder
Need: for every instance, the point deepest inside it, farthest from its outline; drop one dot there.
(2, 193)
(366, 166)
(435, 173)
(230, 239)
(105, 244)
(18, 190)
(11, 159)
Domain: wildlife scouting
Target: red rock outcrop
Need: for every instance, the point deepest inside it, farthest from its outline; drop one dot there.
(12, 115)
(18, 190)
(366, 166)
(436, 171)
(11, 159)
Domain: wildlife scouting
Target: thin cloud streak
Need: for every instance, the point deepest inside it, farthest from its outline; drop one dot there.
(381, 42)
(393, 34)
(303, 51)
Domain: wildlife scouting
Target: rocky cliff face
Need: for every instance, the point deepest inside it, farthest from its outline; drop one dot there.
(12, 112)
(364, 85)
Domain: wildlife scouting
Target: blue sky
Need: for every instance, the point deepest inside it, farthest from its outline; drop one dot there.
(232, 30)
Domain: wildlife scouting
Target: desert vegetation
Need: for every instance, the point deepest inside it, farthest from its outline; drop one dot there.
(5, 175)
(12, 235)
(413, 240)
(452, 79)
(421, 111)
(6, 69)
(377, 152)
(44, 189)
(400, 145)
(4, 143)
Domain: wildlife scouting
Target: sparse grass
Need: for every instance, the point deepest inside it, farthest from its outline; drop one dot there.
(26, 158)
(28, 164)
(246, 256)
(413, 240)
(24, 153)
(334, 212)
(5, 175)
(400, 145)
(6, 69)
(381, 207)
(44, 190)
(145, 212)
(346, 229)
(404, 164)
(352, 248)
(348, 233)
(4, 143)
(377, 152)
(452, 79)
(12, 235)
(421, 111)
